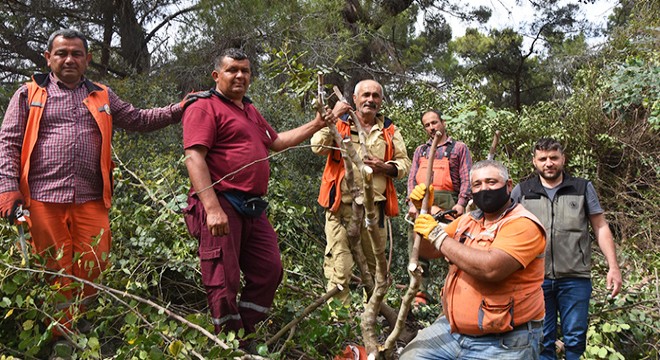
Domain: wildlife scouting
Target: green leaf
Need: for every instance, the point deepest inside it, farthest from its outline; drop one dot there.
(93, 343)
(175, 347)
(130, 318)
(262, 349)
(9, 288)
(156, 354)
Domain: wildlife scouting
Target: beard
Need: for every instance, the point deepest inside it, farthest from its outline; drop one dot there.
(554, 176)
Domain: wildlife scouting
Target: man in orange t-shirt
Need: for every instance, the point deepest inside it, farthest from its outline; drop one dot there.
(492, 298)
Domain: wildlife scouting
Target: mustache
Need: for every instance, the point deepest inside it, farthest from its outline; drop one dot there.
(370, 105)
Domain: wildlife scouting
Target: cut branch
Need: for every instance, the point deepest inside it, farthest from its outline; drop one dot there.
(308, 310)
(414, 269)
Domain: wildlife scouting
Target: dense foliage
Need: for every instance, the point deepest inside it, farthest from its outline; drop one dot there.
(603, 104)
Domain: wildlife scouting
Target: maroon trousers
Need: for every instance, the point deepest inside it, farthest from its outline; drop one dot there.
(250, 247)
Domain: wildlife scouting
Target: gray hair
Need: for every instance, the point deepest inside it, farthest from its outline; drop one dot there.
(356, 91)
(67, 34)
(504, 173)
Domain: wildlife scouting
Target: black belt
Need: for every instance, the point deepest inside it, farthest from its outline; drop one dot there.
(533, 324)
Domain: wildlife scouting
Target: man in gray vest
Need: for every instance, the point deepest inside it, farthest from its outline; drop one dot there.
(566, 206)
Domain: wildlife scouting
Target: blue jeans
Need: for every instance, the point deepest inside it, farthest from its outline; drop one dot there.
(568, 297)
(437, 342)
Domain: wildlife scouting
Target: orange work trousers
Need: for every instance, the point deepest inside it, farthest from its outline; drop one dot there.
(76, 238)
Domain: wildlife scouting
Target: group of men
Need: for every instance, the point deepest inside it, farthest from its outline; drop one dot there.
(515, 263)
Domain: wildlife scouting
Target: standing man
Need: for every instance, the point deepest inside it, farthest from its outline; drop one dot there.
(221, 136)
(386, 156)
(55, 159)
(492, 298)
(566, 206)
(451, 184)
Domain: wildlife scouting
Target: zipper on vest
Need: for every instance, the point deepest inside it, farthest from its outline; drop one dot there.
(552, 235)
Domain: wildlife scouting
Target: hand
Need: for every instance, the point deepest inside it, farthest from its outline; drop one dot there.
(381, 167)
(341, 108)
(9, 201)
(614, 281)
(412, 211)
(424, 224)
(218, 223)
(417, 195)
(194, 96)
(460, 209)
(328, 117)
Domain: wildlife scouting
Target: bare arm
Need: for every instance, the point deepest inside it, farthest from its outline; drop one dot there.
(487, 265)
(606, 244)
(296, 136)
(200, 177)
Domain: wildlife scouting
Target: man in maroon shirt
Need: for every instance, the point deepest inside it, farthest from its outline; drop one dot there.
(226, 141)
(55, 158)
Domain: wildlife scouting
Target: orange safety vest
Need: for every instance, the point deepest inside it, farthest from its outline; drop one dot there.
(98, 104)
(330, 192)
(475, 307)
(441, 174)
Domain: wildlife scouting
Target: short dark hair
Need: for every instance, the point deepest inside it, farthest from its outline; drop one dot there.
(67, 34)
(437, 112)
(547, 144)
(234, 53)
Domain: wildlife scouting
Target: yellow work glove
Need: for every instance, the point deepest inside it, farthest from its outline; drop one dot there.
(417, 195)
(431, 230)
(424, 224)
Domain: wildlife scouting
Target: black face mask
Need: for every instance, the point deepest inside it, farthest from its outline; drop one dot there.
(489, 201)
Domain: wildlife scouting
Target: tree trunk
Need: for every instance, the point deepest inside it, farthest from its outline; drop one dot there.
(133, 38)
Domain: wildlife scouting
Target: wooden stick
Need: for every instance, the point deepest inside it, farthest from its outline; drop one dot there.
(414, 269)
(373, 306)
(414, 254)
(493, 146)
(361, 134)
(308, 310)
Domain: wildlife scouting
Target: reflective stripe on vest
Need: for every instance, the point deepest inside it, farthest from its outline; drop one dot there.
(98, 104)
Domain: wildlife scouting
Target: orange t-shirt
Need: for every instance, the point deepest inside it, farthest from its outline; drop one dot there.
(520, 238)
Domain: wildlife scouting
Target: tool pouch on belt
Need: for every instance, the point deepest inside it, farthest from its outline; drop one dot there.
(246, 204)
